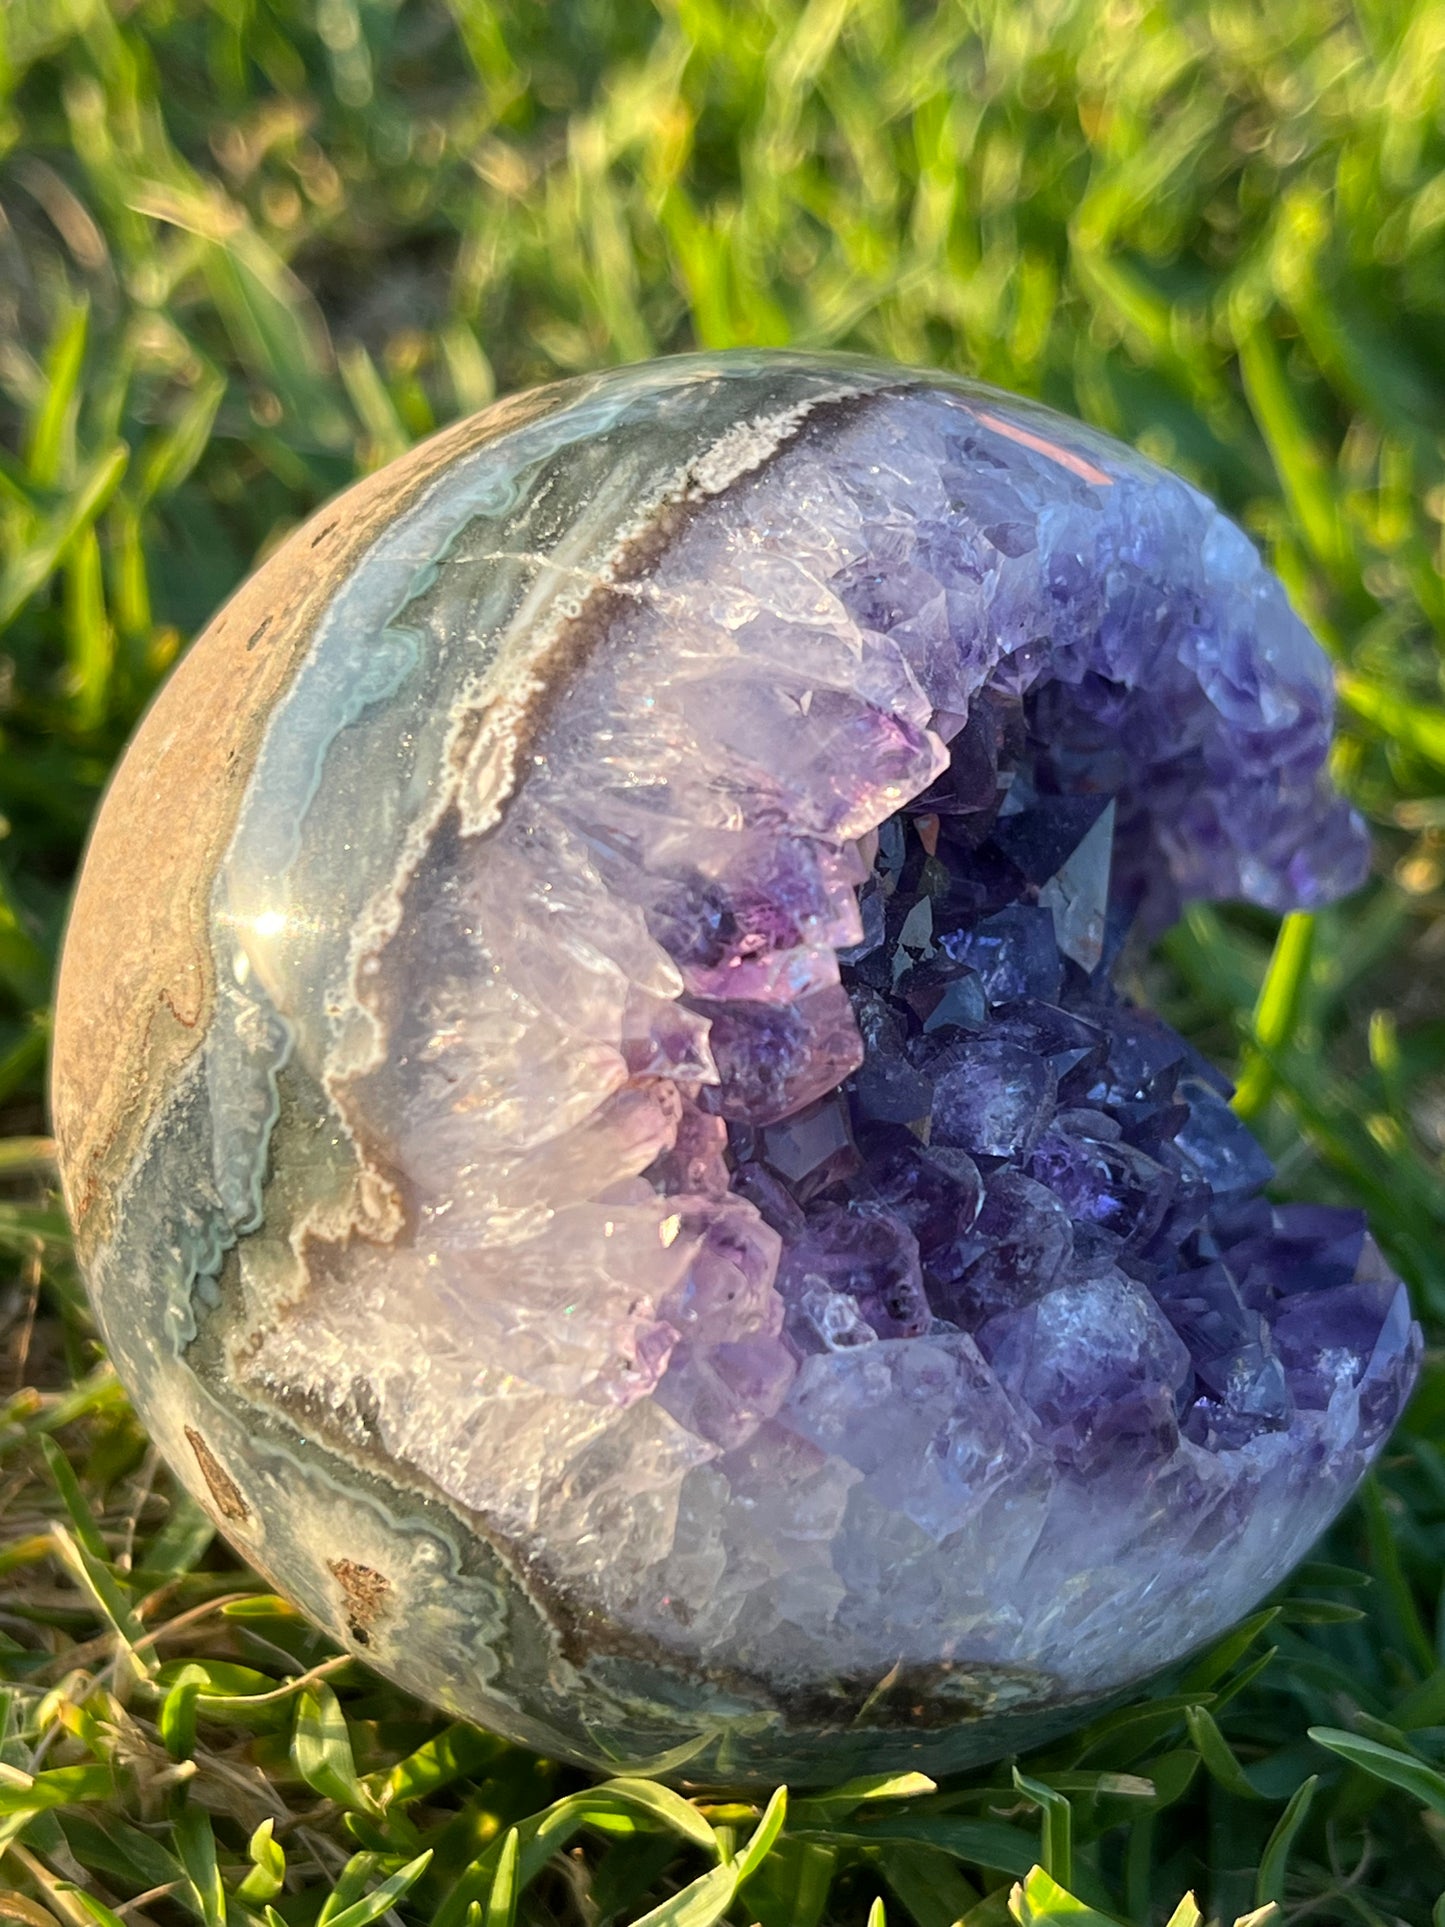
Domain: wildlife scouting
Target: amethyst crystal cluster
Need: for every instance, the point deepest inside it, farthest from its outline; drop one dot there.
(661, 1224)
(1023, 1156)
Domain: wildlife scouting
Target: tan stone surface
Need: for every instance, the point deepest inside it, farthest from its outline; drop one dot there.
(135, 990)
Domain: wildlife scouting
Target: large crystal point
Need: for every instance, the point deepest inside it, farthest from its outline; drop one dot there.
(599, 1123)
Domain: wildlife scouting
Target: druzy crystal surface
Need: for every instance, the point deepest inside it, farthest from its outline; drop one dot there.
(656, 1220)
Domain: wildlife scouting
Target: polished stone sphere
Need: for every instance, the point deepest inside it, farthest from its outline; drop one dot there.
(598, 1095)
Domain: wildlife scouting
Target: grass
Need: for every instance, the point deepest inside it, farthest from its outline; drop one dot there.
(250, 247)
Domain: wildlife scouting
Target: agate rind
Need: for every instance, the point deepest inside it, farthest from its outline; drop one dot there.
(266, 1173)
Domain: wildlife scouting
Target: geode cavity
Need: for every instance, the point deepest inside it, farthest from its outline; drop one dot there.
(600, 1125)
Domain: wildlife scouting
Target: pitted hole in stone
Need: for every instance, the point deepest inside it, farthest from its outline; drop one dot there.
(364, 1595)
(223, 1488)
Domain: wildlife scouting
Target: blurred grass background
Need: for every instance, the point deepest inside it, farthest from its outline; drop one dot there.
(249, 248)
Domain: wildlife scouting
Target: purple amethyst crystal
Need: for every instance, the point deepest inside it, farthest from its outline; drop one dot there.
(665, 1177)
(992, 1097)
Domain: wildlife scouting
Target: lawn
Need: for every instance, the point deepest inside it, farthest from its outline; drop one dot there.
(251, 248)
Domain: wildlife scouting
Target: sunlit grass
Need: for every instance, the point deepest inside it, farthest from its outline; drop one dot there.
(250, 248)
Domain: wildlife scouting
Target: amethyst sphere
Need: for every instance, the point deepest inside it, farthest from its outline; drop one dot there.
(602, 1127)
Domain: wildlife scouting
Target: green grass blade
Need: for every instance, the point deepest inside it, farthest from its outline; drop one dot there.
(1057, 1843)
(1274, 1861)
(1387, 1764)
(501, 1908)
